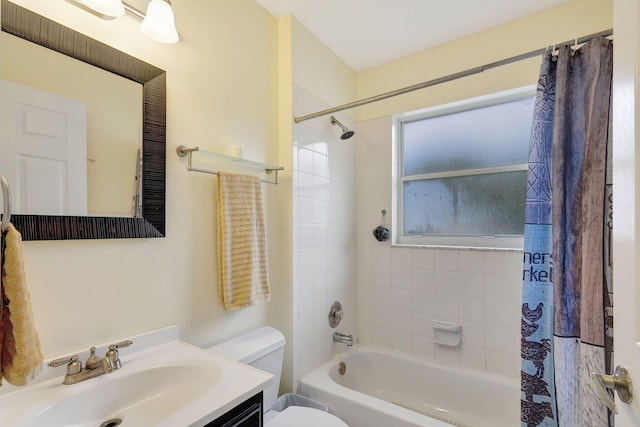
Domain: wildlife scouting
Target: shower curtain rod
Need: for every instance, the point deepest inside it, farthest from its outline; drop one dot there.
(454, 76)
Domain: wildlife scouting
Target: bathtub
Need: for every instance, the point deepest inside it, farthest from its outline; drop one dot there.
(384, 388)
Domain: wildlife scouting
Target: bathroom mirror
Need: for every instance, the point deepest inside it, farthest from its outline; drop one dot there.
(30, 26)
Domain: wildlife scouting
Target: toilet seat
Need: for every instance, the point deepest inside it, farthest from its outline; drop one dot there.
(296, 416)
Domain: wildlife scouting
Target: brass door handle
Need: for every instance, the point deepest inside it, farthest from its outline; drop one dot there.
(620, 381)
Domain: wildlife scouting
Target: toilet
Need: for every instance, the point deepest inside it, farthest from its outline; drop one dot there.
(263, 348)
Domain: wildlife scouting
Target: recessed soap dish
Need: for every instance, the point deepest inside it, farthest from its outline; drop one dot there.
(449, 334)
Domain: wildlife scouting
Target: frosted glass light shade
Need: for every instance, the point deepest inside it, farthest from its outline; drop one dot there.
(107, 8)
(159, 24)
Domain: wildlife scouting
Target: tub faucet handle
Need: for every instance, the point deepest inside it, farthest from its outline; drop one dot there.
(112, 353)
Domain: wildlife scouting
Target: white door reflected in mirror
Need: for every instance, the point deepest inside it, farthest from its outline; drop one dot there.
(43, 151)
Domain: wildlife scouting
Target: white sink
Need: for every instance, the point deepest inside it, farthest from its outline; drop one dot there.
(171, 384)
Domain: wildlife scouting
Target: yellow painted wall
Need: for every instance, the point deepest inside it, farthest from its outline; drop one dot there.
(566, 22)
(221, 90)
(318, 70)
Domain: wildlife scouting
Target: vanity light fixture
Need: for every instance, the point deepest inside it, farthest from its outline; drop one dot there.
(105, 9)
(158, 23)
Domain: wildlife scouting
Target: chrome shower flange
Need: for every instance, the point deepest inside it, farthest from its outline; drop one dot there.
(335, 314)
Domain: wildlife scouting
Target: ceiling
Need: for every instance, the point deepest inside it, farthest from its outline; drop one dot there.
(367, 33)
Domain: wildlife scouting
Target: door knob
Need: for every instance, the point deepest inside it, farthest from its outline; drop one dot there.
(620, 381)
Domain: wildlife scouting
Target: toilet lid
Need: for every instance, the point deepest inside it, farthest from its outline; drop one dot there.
(296, 416)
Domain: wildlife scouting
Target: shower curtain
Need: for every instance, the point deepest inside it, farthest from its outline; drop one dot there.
(566, 310)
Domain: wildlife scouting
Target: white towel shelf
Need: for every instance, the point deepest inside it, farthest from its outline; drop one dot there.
(183, 151)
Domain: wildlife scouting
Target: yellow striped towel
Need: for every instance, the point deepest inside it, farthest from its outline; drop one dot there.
(243, 277)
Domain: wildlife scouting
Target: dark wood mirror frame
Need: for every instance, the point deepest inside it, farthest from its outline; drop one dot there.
(38, 29)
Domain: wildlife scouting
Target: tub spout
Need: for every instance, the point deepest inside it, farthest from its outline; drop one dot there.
(344, 339)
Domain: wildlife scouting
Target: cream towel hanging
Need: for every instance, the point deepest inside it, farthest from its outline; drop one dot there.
(21, 352)
(242, 245)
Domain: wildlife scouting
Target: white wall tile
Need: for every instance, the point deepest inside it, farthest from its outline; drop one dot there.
(303, 210)
(365, 313)
(471, 261)
(324, 255)
(423, 302)
(423, 259)
(320, 282)
(473, 333)
(304, 187)
(423, 346)
(381, 275)
(382, 337)
(304, 284)
(382, 317)
(471, 284)
(501, 363)
(446, 260)
(499, 338)
(319, 211)
(305, 160)
(422, 280)
(305, 261)
(320, 164)
(421, 324)
(472, 309)
(305, 312)
(401, 321)
(401, 299)
(446, 305)
(446, 282)
(401, 257)
(503, 287)
(304, 234)
(473, 357)
(499, 312)
(402, 341)
(401, 277)
(365, 333)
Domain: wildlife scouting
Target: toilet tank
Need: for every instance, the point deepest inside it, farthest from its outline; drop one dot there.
(262, 348)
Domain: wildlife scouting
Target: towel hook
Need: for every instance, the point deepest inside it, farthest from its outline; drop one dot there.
(6, 195)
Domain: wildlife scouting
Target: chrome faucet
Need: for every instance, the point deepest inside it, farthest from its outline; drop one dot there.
(342, 338)
(93, 367)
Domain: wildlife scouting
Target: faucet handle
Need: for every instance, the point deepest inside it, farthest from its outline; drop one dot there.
(74, 366)
(112, 353)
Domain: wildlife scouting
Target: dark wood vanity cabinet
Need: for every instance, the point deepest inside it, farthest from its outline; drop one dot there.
(246, 414)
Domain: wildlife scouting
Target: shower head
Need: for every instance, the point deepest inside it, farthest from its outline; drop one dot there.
(346, 132)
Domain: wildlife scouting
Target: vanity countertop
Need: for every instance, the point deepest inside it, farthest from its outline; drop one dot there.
(163, 382)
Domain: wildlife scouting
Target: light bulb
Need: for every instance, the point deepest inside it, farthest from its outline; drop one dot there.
(159, 24)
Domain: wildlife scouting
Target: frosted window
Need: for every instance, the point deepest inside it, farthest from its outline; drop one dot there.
(463, 172)
(497, 135)
(491, 204)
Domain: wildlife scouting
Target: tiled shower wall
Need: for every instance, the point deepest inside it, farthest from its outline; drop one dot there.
(401, 290)
(324, 233)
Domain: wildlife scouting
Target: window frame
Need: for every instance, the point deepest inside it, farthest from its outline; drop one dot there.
(470, 241)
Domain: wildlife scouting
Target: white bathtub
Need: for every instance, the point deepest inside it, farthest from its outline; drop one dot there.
(383, 388)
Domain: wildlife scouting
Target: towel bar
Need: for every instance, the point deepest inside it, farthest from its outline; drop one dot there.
(184, 151)
(6, 196)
